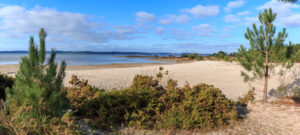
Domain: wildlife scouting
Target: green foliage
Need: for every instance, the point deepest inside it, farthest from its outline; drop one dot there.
(296, 92)
(184, 55)
(192, 56)
(199, 58)
(5, 82)
(227, 59)
(249, 97)
(35, 102)
(284, 91)
(296, 52)
(146, 104)
(80, 92)
(5, 131)
(219, 55)
(266, 51)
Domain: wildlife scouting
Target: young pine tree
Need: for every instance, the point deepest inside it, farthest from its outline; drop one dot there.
(266, 51)
(38, 83)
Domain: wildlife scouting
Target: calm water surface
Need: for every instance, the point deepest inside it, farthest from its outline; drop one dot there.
(81, 58)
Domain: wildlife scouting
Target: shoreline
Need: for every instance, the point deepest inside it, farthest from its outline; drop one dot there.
(12, 68)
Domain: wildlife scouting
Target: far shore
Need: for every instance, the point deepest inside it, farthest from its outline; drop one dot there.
(13, 68)
(160, 58)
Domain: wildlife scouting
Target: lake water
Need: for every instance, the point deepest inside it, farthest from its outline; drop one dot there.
(84, 58)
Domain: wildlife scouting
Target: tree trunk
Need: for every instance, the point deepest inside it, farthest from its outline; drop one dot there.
(265, 96)
(266, 87)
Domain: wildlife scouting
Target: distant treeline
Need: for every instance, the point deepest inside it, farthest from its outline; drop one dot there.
(221, 55)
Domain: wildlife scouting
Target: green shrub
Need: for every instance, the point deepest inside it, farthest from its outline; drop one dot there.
(296, 92)
(227, 59)
(200, 107)
(199, 58)
(286, 91)
(35, 103)
(249, 97)
(191, 57)
(194, 56)
(80, 92)
(5, 82)
(146, 104)
(184, 55)
(5, 131)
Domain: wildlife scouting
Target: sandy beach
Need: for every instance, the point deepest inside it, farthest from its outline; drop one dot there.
(271, 118)
(223, 75)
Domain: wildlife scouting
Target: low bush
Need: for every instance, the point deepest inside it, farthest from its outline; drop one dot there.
(296, 92)
(80, 92)
(184, 55)
(227, 59)
(147, 105)
(199, 58)
(249, 97)
(287, 91)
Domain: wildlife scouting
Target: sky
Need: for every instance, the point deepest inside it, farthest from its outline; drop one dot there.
(177, 26)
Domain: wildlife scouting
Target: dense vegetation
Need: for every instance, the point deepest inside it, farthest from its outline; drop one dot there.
(192, 56)
(215, 56)
(146, 104)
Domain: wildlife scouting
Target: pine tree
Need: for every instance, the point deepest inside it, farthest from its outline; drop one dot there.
(266, 51)
(38, 83)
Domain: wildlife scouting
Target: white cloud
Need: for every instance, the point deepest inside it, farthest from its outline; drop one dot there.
(173, 18)
(251, 20)
(231, 19)
(229, 28)
(17, 21)
(243, 13)
(285, 15)
(205, 29)
(165, 21)
(144, 17)
(281, 8)
(224, 35)
(292, 21)
(183, 19)
(65, 29)
(203, 11)
(159, 30)
(177, 34)
(125, 30)
(234, 4)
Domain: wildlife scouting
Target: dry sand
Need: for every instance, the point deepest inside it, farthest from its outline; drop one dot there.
(223, 75)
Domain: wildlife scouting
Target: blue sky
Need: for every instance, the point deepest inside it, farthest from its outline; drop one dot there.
(202, 26)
